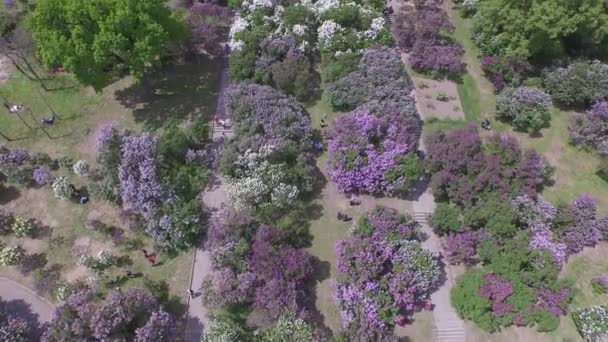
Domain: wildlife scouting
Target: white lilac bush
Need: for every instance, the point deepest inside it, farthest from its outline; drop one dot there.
(592, 322)
(61, 188)
(81, 168)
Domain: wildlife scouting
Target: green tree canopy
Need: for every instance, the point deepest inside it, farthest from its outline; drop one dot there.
(541, 28)
(101, 39)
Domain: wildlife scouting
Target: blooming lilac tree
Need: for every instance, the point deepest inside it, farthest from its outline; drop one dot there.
(376, 263)
(13, 328)
(41, 175)
(528, 109)
(369, 154)
(139, 187)
(133, 314)
(590, 130)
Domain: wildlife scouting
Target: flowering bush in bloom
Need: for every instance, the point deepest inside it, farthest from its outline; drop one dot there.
(420, 33)
(254, 264)
(382, 273)
(208, 24)
(379, 84)
(41, 175)
(538, 214)
(528, 109)
(505, 72)
(10, 255)
(13, 327)
(81, 168)
(463, 170)
(497, 291)
(130, 315)
(277, 153)
(578, 84)
(105, 135)
(592, 322)
(600, 284)
(61, 188)
(369, 154)
(590, 130)
(139, 186)
(462, 247)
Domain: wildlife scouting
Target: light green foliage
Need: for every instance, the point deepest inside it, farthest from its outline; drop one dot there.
(542, 28)
(289, 328)
(494, 214)
(99, 40)
(468, 303)
(224, 329)
(447, 218)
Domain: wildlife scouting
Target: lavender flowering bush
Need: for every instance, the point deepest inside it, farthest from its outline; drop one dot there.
(139, 186)
(379, 83)
(382, 274)
(370, 154)
(13, 327)
(590, 130)
(463, 170)
(528, 109)
(41, 175)
(505, 72)
(461, 248)
(130, 315)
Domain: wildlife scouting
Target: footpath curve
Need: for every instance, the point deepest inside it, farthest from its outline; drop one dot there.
(13, 292)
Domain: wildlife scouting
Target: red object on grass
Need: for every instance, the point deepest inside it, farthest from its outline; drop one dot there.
(152, 260)
(428, 305)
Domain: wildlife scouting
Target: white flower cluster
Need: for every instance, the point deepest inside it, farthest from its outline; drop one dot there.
(299, 30)
(327, 31)
(322, 6)
(592, 322)
(257, 4)
(375, 28)
(238, 25)
(259, 181)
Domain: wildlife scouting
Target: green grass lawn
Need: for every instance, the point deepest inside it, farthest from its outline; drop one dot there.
(79, 111)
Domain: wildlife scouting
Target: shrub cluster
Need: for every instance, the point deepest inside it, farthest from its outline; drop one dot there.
(384, 274)
(373, 154)
(269, 164)
(528, 109)
(421, 32)
(590, 130)
(503, 71)
(256, 264)
(578, 84)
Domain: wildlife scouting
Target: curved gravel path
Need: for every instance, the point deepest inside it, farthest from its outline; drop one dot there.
(21, 299)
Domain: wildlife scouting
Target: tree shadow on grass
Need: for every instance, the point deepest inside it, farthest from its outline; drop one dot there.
(179, 90)
(8, 194)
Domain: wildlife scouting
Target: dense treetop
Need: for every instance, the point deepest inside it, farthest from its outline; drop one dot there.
(541, 28)
(97, 40)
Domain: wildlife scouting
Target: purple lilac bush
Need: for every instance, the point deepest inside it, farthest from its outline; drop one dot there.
(41, 175)
(254, 264)
(126, 315)
(139, 186)
(497, 291)
(590, 130)
(463, 171)
(585, 229)
(368, 153)
(461, 248)
(13, 327)
(382, 274)
(420, 33)
(105, 135)
(504, 71)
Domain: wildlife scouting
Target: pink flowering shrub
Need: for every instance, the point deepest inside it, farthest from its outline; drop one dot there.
(371, 154)
(382, 273)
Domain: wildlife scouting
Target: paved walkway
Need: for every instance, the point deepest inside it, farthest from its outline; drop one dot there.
(448, 326)
(25, 301)
(213, 199)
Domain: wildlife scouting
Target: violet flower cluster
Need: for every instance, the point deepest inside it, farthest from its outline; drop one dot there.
(382, 273)
(367, 152)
